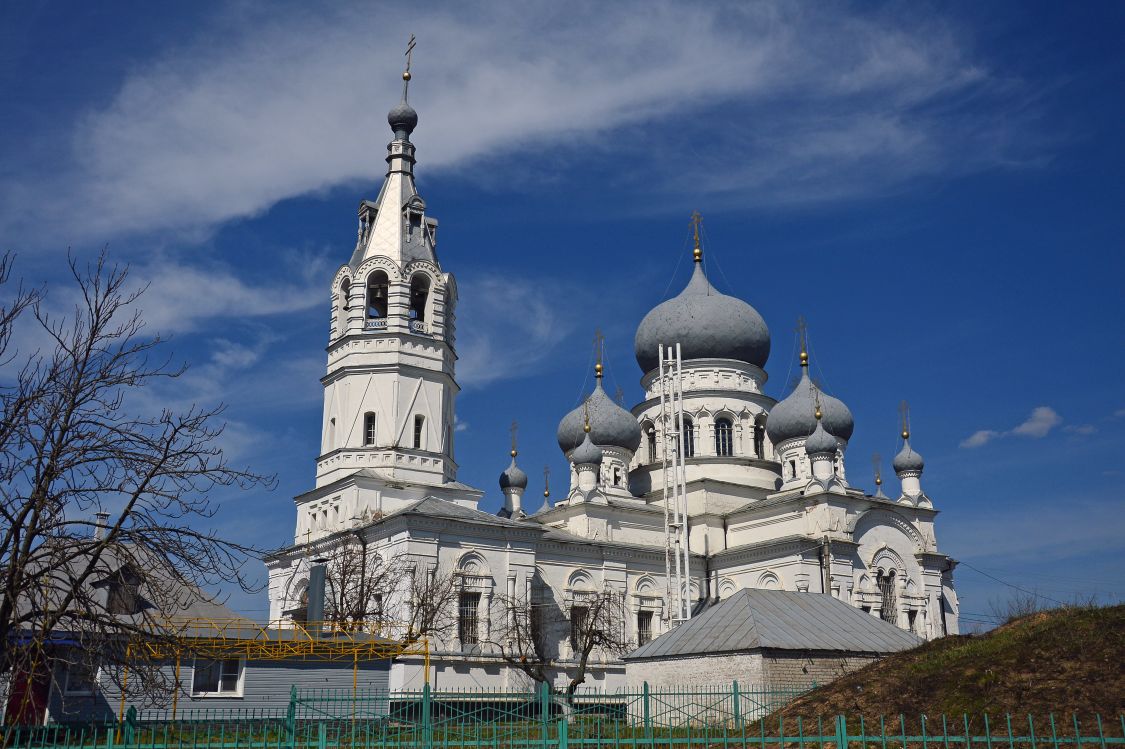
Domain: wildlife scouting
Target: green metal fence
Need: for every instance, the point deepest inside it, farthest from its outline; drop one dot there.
(732, 716)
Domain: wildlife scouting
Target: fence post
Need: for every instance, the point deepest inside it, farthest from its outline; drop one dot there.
(647, 711)
(427, 718)
(322, 735)
(544, 713)
(564, 728)
(737, 697)
(130, 725)
(841, 732)
(291, 717)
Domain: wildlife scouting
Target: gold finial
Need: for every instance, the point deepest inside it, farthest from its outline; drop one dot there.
(513, 429)
(696, 220)
(878, 463)
(546, 482)
(818, 413)
(586, 415)
(599, 353)
(803, 334)
(904, 418)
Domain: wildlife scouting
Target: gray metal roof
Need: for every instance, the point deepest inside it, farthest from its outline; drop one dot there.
(442, 508)
(781, 620)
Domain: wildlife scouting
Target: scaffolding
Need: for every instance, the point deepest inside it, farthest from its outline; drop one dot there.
(677, 553)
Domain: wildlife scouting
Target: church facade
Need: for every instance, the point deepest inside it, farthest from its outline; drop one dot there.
(763, 481)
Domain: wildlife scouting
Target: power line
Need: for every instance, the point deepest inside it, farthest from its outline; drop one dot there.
(1011, 585)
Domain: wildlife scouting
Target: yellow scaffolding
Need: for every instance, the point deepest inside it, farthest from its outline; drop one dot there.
(273, 641)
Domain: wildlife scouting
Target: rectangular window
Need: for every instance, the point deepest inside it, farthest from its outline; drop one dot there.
(644, 627)
(369, 429)
(81, 679)
(419, 422)
(468, 618)
(578, 626)
(217, 677)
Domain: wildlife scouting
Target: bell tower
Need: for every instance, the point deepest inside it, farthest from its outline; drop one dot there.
(389, 390)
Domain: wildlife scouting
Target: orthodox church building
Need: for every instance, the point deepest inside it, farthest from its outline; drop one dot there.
(763, 483)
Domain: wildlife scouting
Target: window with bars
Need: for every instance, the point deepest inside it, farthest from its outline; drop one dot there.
(886, 583)
(419, 426)
(724, 437)
(468, 618)
(369, 431)
(578, 625)
(644, 627)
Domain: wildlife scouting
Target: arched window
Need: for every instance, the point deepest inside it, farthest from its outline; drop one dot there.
(419, 295)
(886, 582)
(377, 284)
(419, 426)
(345, 291)
(369, 425)
(689, 437)
(760, 437)
(724, 437)
(652, 457)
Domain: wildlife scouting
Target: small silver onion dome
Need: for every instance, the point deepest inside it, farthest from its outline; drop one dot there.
(403, 119)
(794, 415)
(820, 442)
(513, 477)
(706, 324)
(610, 424)
(907, 460)
(587, 453)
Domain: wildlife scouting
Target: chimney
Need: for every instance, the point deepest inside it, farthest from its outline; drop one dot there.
(315, 612)
(101, 524)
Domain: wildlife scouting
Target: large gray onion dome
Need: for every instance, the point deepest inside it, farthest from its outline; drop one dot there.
(820, 442)
(907, 460)
(587, 453)
(610, 424)
(513, 477)
(795, 415)
(706, 324)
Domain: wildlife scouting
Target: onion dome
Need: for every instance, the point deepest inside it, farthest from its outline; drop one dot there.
(513, 477)
(587, 453)
(820, 442)
(795, 416)
(402, 118)
(706, 324)
(907, 460)
(610, 424)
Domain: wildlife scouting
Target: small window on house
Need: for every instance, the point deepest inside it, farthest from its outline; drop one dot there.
(81, 679)
(911, 618)
(377, 285)
(724, 437)
(644, 627)
(578, 627)
(468, 618)
(419, 425)
(651, 445)
(369, 429)
(217, 677)
(792, 469)
(123, 593)
(616, 476)
(419, 295)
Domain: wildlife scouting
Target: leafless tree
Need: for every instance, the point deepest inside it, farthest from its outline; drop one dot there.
(429, 600)
(535, 627)
(76, 440)
(361, 585)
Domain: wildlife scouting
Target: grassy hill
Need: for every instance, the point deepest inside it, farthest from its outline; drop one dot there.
(1066, 661)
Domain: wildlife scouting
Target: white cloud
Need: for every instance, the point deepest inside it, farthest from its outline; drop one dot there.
(506, 328)
(979, 438)
(275, 103)
(1080, 429)
(1042, 420)
(1037, 426)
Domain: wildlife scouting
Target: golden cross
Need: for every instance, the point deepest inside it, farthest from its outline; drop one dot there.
(803, 332)
(904, 415)
(696, 221)
(513, 429)
(877, 461)
(546, 481)
(599, 345)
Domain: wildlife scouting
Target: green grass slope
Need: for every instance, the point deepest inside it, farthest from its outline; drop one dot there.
(1067, 662)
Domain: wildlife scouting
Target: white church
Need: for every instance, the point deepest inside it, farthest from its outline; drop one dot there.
(742, 490)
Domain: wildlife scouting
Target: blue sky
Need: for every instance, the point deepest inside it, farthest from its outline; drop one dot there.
(935, 187)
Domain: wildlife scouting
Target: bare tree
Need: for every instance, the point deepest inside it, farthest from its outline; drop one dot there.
(361, 585)
(429, 600)
(77, 442)
(536, 626)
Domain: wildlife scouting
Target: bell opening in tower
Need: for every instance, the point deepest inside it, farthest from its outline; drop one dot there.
(419, 296)
(377, 285)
